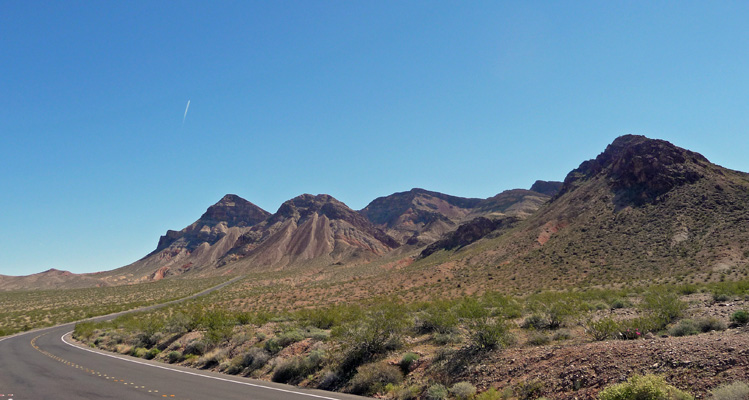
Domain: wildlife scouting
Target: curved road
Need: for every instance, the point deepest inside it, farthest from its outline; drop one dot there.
(44, 364)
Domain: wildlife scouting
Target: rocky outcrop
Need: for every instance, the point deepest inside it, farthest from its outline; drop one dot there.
(549, 188)
(468, 233)
(640, 169)
(418, 216)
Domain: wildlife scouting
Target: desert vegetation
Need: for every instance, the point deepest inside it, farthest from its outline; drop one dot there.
(25, 310)
(431, 348)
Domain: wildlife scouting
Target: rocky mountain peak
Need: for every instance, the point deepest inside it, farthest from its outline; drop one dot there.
(640, 169)
(549, 188)
(235, 211)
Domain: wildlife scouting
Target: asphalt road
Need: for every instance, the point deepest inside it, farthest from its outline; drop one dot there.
(45, 365)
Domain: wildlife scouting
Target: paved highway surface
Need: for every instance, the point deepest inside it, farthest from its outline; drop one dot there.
(45, 365)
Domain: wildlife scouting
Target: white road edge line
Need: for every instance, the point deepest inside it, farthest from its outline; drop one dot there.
(194, 373)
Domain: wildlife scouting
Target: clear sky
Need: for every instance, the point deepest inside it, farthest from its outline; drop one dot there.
(356, 99)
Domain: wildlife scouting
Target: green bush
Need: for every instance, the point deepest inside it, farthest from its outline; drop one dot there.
(491, 394)
(437, 392)
(438, 317)
(663, 306)
(538, 339)
(329, 317)
(407, 361)
(463, 390)
(685, 327)
(219, 326)
(731, 391)
(139, 352)
(84, 330)
(708, 324)
(490, 333)
(289, 337)
(648, 387)
(151, 354)
(379, 331)
(255, 358)
(602, 329)
(289, 370)
(297, 368)
(372, 378)
(272, 346)
(173, 357)
(740, 317)
(196, 347)
(534, 321)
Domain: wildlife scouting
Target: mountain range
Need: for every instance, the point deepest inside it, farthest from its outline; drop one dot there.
(642, 208)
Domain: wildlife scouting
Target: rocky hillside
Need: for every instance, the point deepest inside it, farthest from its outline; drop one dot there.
(643, 209)
(420, 217)
(309, 228)
(200, 245)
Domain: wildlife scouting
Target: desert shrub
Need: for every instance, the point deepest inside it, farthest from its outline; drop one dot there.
(272, 346)
(139, 352)
(463, 390)
(721, 296)
(181, 323)
(408, 393)
(562, 334)
(289, 337)
(289, 370)
(648, 387)
(372, 378)
(407, 361)
(255, 358)
(620, 303)
(174, 356)
(731, 391)
(297, 368)
(328, 317)
(528, 390)
(501, 305)
(330, 380)
(538, 339)
(446, 338)
(213, 358)
(740, 317)
(380, 330)
(84, 330)
(685, 327)
(708, 324)
(438, 317)
(663, 306)
(436, 392)
(490, 394)
(315, 333)
(490, 333)
(219, 325)
(151, 354)
(556, 308)
(149, 330)
(196, 347)
(602, 329)
(534, 321)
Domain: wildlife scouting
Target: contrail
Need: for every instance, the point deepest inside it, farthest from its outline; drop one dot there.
(186, 108)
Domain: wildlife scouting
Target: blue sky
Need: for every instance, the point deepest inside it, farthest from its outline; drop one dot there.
(357, 99)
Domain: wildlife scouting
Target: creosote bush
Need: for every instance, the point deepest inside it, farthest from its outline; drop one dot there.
(740, 317)
(731, 391)
(648, 387)
(437, 392)
(372, 378)
(463, 390)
